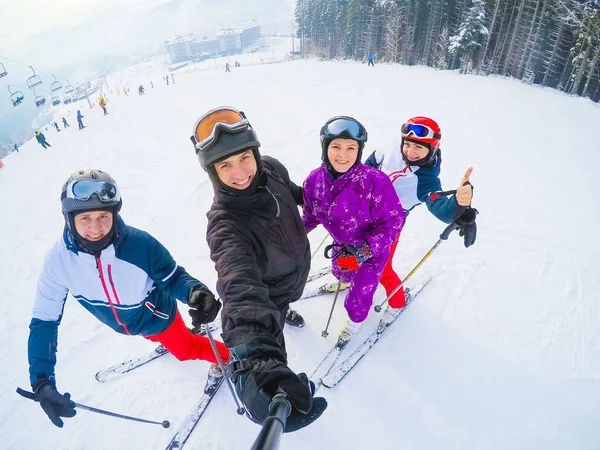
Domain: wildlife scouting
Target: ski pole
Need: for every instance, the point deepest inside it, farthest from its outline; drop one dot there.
(325, 333)
(164, 423)
(240, 409)
(320, 245)
(444, 236)
(274, 425)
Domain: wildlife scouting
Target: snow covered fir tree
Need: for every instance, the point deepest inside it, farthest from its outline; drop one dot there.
(553, 43)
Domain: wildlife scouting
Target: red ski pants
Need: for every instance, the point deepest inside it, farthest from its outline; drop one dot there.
(184, 345)
(390, 279)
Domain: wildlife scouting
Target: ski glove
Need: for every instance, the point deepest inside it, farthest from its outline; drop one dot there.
(257, 386)
(467, 226)
(204, 307)
(55, 405)
(352, 257)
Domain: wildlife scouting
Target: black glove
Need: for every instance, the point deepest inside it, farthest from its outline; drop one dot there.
(54, 404)
(467, 225)
(204, 307)
(257, 385)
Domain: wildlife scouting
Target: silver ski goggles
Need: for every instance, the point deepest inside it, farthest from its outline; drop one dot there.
(208, 127)
(85, 189)
(346, 126)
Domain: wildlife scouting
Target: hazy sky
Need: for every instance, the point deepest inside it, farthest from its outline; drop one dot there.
(74, 38)
(24, 19)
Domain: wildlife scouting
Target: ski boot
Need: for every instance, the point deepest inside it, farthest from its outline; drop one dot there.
(294, 319)
(390, 314)
(331, 288)
(215, 374)
(349, 330)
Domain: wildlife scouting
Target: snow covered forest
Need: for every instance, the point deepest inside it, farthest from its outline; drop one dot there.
(553, 43)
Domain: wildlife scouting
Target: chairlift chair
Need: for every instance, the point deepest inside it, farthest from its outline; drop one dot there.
(16, 98)
(33, 80)
(68, 88)
(3, 71)
(67, 100)
(55, 101)
(55, 86)
(40, 100)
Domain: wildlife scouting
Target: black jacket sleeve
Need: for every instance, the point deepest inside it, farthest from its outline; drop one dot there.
(249, 315)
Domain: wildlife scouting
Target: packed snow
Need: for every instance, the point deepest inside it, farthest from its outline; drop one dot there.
(500, 351)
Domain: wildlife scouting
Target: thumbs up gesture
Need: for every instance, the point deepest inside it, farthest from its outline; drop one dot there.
(464, 193)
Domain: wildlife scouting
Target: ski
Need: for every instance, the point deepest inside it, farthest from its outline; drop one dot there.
(190, 422)
(328, 288)
(319, 274)
(337, 373)
(129, 365)
(325, 366)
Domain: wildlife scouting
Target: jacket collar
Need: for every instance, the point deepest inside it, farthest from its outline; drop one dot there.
(71, 242)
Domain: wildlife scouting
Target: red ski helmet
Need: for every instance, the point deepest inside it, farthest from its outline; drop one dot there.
(424, 131)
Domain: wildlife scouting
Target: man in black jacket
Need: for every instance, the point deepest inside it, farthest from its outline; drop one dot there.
(262, 256)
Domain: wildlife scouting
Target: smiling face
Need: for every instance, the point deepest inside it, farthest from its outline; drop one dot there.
(238, 170)
(414, 151)
(93, 225)
(342, 154)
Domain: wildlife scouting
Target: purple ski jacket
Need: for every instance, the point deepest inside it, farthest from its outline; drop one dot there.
(359, 206)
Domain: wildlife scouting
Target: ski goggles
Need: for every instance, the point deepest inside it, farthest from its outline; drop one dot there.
(210, 124)
(84, 189)
(346, 126)
(418, 131)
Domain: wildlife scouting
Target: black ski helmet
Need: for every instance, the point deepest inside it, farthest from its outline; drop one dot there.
(343, 127)
(225, 138)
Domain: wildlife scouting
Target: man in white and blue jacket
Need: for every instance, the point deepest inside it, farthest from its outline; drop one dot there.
(120, 274)
(414, 165)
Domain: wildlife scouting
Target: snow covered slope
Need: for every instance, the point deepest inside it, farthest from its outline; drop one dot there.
(501, 351)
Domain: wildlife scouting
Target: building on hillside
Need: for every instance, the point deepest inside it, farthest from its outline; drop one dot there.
(180, 48)
(205, 48)
(227, 42)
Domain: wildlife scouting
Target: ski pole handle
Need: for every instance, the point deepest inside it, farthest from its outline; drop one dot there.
(165, 423)
(449, 229)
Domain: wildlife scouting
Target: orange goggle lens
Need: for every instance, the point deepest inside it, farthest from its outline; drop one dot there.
(206, 125)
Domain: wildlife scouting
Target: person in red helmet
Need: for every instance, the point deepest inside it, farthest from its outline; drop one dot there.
(413, 165)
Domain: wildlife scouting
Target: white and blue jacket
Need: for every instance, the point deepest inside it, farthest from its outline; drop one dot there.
(413, 184)
(131, 286)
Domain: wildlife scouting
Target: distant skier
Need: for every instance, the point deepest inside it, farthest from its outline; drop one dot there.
(65, 124)
(413, 165)
(151, 84)
(16, 148)
(141, 90)
(102, 104)
(262, 257)
(172, 79)
(359, 208)
(227, 67)
(79, 119)
(56, 126)
(42, 139)
(167, 79)
(370, 63)
(121, 275)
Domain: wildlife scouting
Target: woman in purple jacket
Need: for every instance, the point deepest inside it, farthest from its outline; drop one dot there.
(359, 208)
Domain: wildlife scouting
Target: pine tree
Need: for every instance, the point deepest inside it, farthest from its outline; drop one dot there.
(471, 35)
